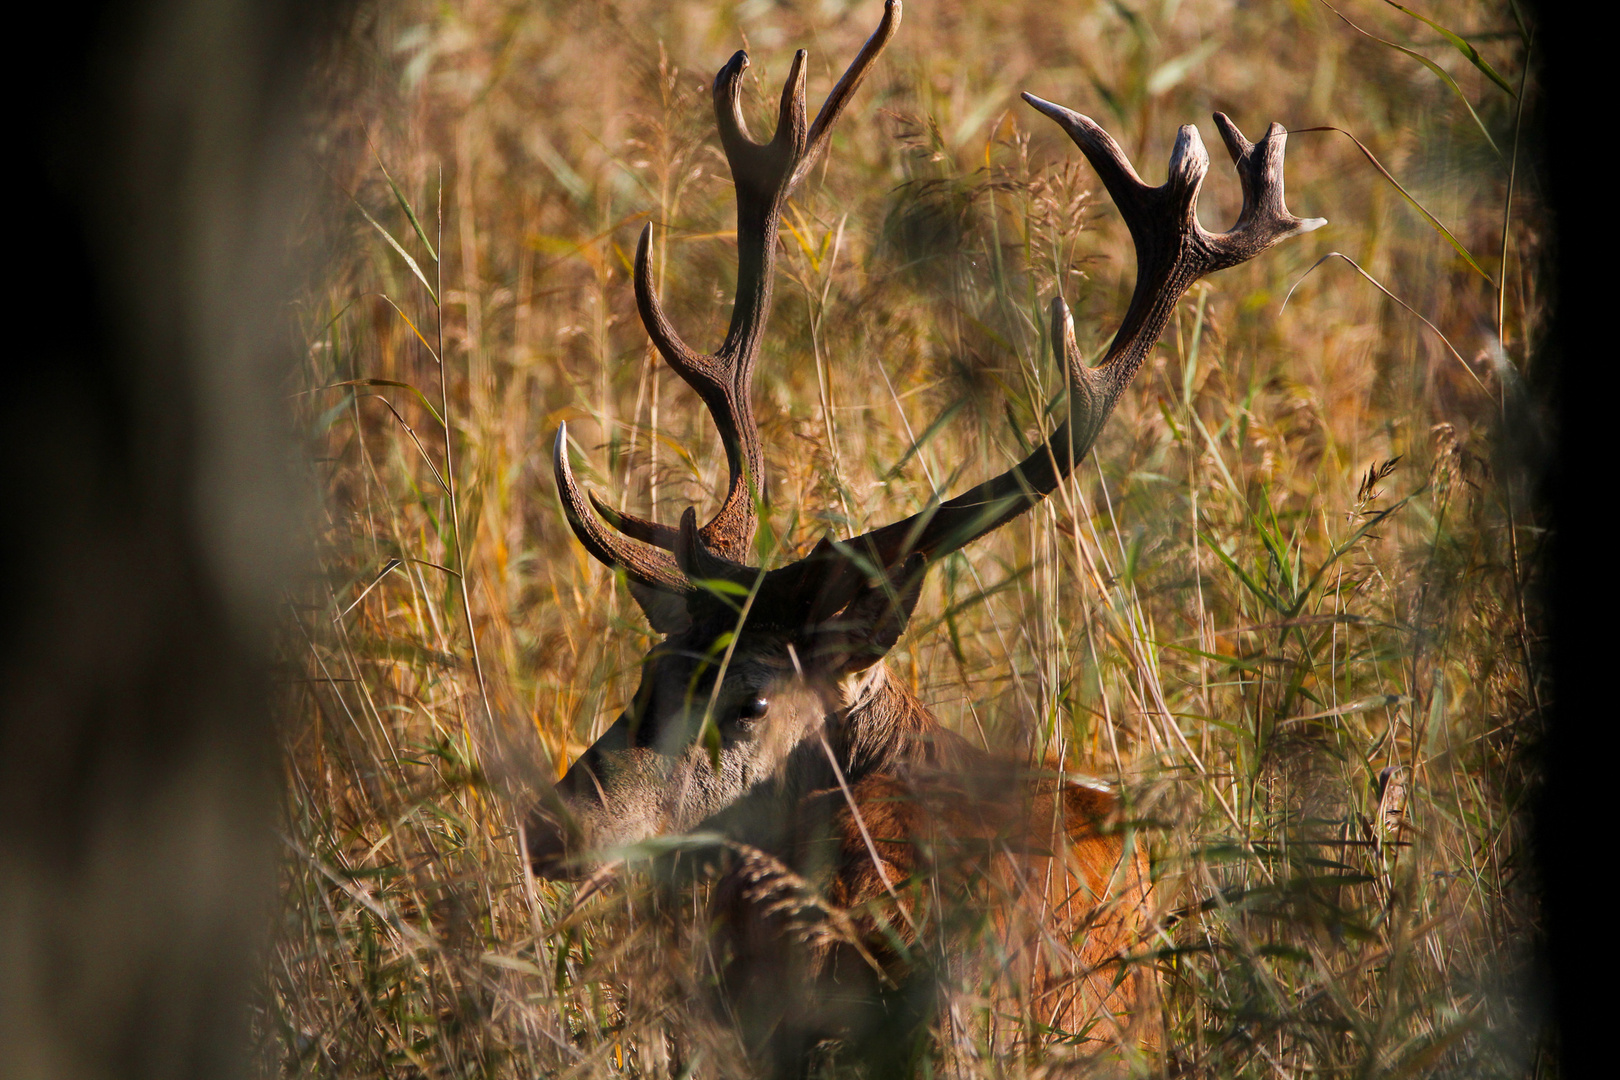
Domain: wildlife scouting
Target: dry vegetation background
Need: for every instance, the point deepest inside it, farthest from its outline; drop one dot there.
(1289, 600)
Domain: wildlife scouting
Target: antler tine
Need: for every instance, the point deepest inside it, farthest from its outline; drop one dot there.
(698, 563)
(646, 566)
(841, 94)
(637, 528)
(764, 174)
(722, 382)
(1163, 222)
(1172, 252)
(1264, 219)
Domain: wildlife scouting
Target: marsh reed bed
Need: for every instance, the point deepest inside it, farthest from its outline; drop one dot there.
(1290, 601)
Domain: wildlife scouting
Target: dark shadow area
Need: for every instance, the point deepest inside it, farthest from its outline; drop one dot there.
(1580, 739)
(151, 528)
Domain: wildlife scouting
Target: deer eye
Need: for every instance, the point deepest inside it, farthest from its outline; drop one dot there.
(753, 708)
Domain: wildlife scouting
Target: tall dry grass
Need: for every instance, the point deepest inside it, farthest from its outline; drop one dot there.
(1289, 600)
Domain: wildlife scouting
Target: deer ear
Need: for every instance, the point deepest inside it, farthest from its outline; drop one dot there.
(666, 611)
(868, 627)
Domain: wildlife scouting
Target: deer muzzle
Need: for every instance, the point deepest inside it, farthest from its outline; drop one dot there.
(610, 797)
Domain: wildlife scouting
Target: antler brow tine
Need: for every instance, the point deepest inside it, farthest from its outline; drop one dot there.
(643, 565)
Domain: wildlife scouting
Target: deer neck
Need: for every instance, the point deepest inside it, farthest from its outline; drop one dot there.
(882, 726)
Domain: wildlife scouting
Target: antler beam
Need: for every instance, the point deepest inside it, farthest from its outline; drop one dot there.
(764, 174)
(1172, 251)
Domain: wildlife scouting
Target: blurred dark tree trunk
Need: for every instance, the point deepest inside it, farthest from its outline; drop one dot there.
(148, 525)
(1572, 829)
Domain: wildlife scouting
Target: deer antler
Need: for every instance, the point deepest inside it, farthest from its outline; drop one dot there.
(1172, 251)
(764, 174)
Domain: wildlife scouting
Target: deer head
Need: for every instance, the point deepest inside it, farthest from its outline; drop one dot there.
(757, 689)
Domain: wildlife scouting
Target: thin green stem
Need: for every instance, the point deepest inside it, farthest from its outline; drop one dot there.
(450, 468)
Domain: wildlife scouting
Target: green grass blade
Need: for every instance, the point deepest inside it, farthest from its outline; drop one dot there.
(1170, 73)
(1439, 72)
(1372, 522)
(1215, 453)
(426, 404)
(401, 313)
(928, 433)
(1461, 46)
(1264, 594)
(410, 213)
(1407, 195)
(395, 244)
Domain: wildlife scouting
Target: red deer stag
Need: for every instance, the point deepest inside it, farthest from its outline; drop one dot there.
(766, 715)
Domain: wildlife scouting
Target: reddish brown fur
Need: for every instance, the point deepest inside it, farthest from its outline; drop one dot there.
(942, 852)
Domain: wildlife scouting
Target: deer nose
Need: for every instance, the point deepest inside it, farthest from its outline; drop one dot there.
(550, 851)
(554, 830)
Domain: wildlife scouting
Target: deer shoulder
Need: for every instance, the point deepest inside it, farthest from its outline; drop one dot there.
(938, 859)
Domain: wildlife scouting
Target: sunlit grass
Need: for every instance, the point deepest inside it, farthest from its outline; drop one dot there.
(1288, 600)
